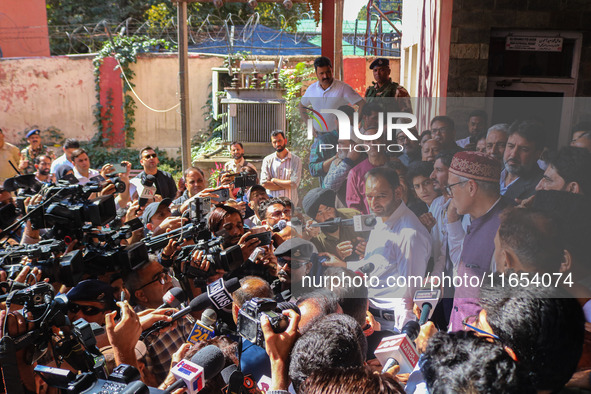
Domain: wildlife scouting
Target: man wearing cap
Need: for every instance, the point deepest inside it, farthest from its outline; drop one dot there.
(90, 300)
(256, 195)
(157, 217)
(8, 152)
(326, 93)
(342, 241)
(384, 87)
(32, 151)
(293, 263)
(474, 190)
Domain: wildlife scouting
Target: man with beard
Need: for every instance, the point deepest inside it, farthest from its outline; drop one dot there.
(293, 263)
(522, 173)
(43, 165)
(496, 140)
(398, 246)
(476, 124)
(281, 171)
(256, 196)
(227, 222)
(568, 170)
(235, 165)
(326, 93)
(342, 241)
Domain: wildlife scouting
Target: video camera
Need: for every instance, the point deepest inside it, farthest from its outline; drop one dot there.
(249, 319)
(124, 379)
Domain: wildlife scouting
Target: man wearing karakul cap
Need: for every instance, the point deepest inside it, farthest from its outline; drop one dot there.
(474, 189)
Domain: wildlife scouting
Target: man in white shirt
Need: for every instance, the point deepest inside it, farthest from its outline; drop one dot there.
(326, 93)
(281, 171)
(399, 247)
(82, 170)
(70, 145)
(477, 123)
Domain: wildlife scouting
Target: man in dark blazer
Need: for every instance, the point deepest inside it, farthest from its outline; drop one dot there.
(522, 173)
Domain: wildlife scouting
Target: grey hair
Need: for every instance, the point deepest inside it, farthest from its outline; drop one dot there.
(504, 127)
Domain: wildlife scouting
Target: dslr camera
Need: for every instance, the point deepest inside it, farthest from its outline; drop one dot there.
(249, 319)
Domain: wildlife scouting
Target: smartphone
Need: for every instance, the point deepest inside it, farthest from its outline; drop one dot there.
(266, 238)
(119, 168)
(224, 195)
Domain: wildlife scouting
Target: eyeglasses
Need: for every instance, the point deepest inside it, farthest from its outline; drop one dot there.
(470, 322)
(151, 156)
(278, 214)
(295, 264)
(161, 277)
(448, 187)
(88, 310)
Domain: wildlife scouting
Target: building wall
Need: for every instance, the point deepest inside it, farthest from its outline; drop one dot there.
(60, 92)
(23, 34)
(472, 22)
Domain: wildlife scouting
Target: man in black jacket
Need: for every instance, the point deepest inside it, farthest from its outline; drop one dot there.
(165, 185)
(522, 173)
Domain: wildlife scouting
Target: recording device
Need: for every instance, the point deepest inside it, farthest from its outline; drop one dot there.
(146, 189)
(280, 225)
(244, 180)
(204, 365)
(400, 348)
(119, 168)
(173, 298)
(204, 327)
(228, 259)
(249, 319)
(266, 238)
(218, 295)
(223, 194)
(124, 379)
(112, 179)
(366, 269)
(359, 222)
(426, 300)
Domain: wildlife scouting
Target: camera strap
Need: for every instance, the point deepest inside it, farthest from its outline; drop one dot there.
(9, 365)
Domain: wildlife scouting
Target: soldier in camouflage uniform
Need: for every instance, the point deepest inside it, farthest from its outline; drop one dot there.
(32, 151)
(384, 87)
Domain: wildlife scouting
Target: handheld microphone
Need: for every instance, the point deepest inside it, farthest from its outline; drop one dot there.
(146, 189)
(173, 298)
(280, 225)
(400, 348)
(219, 295)
(204, 365)
(366, 269)
(204, 328)
(426, 300)
(234, 378)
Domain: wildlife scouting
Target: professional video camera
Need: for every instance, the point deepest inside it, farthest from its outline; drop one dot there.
(124, 379)
(228, 260)
(44, 311)
(67, 269)
(249, 319)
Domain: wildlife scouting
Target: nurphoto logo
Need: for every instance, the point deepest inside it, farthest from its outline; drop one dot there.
(394, 121)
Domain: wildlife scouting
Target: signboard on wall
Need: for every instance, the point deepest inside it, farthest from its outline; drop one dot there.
(535, 44)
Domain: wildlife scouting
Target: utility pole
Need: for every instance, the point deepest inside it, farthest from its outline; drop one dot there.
(183, 48)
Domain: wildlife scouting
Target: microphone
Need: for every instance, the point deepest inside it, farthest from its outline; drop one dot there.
(234, 378)
(400, 348)
(173, 298)
(366, 269)
(280, 225)
(219, 295)
(204, 365)
(204, 328)
(426, 300)
(146, 189)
